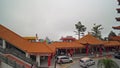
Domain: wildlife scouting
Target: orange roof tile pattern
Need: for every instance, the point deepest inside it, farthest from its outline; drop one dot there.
(21, 43)
(89, 39)
(116, 27)
(53, 48)
(38, 47)
(111, 43)
(13, 38)
(30, 38)
(115, 38)
(66, 45)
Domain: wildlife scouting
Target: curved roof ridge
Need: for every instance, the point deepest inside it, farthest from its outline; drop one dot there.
(21, 43)
(13, 38)
(89, 39)
(11, 31)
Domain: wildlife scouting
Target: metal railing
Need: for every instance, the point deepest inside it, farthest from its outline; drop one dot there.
(17, 54)
(2, 50)
(10, 62)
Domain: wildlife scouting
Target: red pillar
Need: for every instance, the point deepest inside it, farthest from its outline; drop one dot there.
(49, 60)
(87, 50)
(71, 52)
(100, 49)
(117, 48)
(107, 49)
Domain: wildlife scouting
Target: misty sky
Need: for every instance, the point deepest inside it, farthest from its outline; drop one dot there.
(56, 18)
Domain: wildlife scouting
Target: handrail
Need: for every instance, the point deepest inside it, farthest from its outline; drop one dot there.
(18, 54)
(10, 62)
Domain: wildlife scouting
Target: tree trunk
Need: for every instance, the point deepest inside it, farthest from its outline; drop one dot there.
(78, 35)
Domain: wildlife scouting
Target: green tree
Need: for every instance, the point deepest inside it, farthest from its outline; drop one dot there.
(96, 31)
(107, 63)
(80, 29)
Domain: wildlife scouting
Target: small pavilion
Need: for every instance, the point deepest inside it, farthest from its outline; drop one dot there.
(91, 44)
(67, 39)
(39, 49)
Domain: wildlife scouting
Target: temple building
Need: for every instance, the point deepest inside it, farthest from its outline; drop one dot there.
(117, 18)
(26, 52)
(116, 38)
(67, 39)
(13, 46)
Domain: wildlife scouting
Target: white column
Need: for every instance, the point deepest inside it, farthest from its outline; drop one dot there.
(3, 44)
(27, 55)
(38, 60)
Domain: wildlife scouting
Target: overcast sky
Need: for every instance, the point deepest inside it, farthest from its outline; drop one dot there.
(56, 18)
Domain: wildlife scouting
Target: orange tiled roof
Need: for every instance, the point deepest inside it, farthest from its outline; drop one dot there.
(22, 43)
(116, 27)
(38, 47)
(30, 38)
(53, 48)
(115, 38)
(89, 39)
(111, 43)
(13, 38)
(64, 45)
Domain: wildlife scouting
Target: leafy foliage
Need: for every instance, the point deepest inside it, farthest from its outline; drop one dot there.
(96, 31)
(107, 63)
(80, 28)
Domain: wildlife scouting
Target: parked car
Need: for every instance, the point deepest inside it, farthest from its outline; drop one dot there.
(117, 55)
(64, 59)
(85, 62)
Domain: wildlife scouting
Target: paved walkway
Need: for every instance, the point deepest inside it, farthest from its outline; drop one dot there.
(76, 57)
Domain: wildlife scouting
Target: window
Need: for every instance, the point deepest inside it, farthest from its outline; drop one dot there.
(64, 58)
